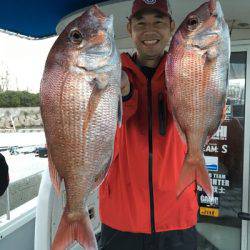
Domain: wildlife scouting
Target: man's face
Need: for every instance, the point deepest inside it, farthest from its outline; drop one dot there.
(150, 32)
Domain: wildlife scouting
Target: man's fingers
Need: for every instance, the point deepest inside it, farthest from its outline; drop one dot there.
(125, 85)
(124, 79)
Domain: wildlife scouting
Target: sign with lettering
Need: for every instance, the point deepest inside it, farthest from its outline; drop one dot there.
(207, 211)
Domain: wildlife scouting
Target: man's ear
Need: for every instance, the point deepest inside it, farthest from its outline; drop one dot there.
(129, 28)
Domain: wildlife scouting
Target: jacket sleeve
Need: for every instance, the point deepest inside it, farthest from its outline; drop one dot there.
(116, 144)
(129, 107)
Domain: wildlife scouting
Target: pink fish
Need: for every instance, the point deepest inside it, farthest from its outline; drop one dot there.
(80, 96)
(196, 80)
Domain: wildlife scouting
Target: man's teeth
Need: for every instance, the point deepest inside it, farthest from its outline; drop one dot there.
(150, 42)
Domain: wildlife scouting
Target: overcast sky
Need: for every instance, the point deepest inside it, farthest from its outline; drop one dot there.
(24, 59)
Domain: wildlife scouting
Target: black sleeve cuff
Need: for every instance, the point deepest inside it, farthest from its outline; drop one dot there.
(129, 95)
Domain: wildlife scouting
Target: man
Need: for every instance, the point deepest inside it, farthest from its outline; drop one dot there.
(4, 175)
(138, 204)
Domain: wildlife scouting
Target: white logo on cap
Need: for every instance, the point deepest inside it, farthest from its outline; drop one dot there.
(149, 1)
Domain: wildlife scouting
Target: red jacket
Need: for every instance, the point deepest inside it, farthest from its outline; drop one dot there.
(138, 195)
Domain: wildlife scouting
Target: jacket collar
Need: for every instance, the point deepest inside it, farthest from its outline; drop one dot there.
(130, 65)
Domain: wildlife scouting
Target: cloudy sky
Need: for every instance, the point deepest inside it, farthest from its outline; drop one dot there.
(24, 59)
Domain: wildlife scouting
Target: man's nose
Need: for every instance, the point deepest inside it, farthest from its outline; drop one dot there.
(150, 26)
(150, 33)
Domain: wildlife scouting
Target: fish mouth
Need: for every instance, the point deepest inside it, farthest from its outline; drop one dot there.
(150, 42)
(96, 11)
(215, 8)
(212, 6)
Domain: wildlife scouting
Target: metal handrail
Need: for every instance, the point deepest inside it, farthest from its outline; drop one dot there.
(8, 203)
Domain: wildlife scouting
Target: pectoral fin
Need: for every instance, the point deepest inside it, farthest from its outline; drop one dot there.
(54, 176)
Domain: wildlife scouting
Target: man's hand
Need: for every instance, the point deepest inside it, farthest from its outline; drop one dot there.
(125, 84)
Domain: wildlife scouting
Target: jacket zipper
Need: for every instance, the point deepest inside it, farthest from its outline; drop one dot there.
(150, 160)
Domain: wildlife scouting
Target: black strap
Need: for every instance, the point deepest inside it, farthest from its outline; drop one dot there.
(162, 115)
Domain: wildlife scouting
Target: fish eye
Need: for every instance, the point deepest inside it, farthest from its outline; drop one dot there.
(75, 36)
(192, 22)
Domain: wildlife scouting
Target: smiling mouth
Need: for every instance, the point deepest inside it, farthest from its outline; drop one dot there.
(150, 42)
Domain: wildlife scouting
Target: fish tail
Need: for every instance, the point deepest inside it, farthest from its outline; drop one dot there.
(194, 170)
(74, 227)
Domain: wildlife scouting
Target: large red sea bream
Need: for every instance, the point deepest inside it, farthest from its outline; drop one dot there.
(80, 95)
(196, 79)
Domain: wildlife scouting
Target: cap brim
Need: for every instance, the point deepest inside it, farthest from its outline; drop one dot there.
(150, 10)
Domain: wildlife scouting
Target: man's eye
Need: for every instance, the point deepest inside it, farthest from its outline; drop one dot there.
(141, 23)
